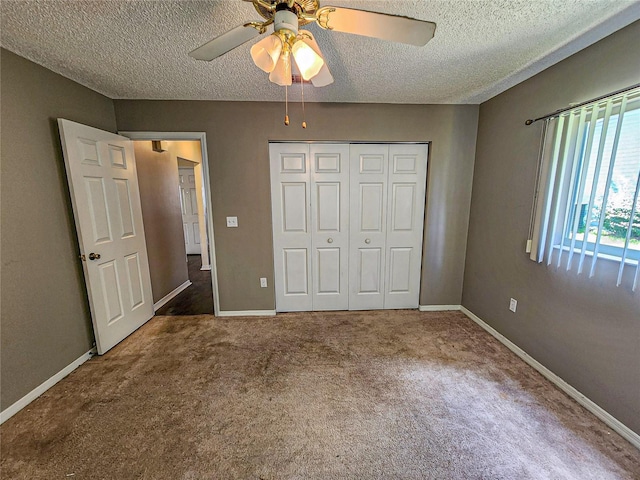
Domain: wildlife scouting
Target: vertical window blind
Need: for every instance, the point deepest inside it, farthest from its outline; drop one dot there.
(587, 204)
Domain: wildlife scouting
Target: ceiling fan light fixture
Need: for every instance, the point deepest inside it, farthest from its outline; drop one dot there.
(281, 74)
(323, 77)
(308, 61)
(266, 52)
(287, 16)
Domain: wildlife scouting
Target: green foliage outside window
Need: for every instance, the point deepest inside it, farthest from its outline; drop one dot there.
(616, 222)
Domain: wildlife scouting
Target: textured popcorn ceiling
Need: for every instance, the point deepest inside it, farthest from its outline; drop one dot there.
(138, 49)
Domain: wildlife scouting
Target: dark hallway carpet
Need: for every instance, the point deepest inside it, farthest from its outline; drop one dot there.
(197, 299)
(349, 395)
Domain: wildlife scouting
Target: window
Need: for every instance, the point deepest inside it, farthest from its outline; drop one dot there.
(587, 203)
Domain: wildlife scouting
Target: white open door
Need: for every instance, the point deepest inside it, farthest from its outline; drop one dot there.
(103, 184)
(189, 205)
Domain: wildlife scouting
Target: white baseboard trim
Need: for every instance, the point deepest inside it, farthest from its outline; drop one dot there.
(9, 412)
(247, 313)
(170, 296)
(205, 267)
(598, 411)
(438, 308)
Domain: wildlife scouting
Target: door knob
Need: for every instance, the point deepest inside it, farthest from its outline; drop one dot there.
(367, 240)
(94, 256)
(329, 240)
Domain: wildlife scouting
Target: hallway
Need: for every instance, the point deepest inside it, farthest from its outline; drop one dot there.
(197, 299)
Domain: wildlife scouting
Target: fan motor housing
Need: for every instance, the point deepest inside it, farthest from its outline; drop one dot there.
(306, 7)
(285, 19)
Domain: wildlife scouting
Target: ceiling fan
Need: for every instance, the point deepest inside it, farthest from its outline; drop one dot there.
(273, 53)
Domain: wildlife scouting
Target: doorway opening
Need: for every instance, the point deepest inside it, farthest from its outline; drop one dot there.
(175, 191)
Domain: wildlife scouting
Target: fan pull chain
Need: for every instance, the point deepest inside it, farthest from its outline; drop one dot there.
(286, 105)
(304, 123)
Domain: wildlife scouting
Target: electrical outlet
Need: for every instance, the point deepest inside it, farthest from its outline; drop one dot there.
(513, 304)
(232, 221)
(263, 282)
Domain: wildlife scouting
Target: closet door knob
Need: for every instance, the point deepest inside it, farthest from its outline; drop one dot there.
(329, 240)
(367, 240)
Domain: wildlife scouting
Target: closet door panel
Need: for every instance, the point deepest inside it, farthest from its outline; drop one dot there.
(328, 281)
(368, 218)
(290, 197)
(294, 269)
(405, 225)
(399, 270)
(329, 165)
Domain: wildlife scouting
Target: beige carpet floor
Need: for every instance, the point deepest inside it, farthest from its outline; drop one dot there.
(371, 395)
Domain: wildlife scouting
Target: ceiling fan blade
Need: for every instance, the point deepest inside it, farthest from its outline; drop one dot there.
(225, 42)
(377, 25)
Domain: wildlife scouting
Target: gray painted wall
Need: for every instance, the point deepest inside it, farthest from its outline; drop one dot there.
(162, 216)
(237, 139)
(45, 315)
(586, 331)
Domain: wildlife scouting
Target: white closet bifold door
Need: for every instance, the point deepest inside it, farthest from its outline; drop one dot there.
(329, 167)
(368, 225)
(348, 224)
(291, 226)
(405, 224)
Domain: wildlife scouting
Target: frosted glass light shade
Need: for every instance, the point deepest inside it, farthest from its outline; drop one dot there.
(281, 74)
(308, 61)
(323, 77)
(265, 53)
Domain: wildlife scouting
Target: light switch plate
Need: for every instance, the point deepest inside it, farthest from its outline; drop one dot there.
(263, 282)
(232, 221)
(513, 304)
